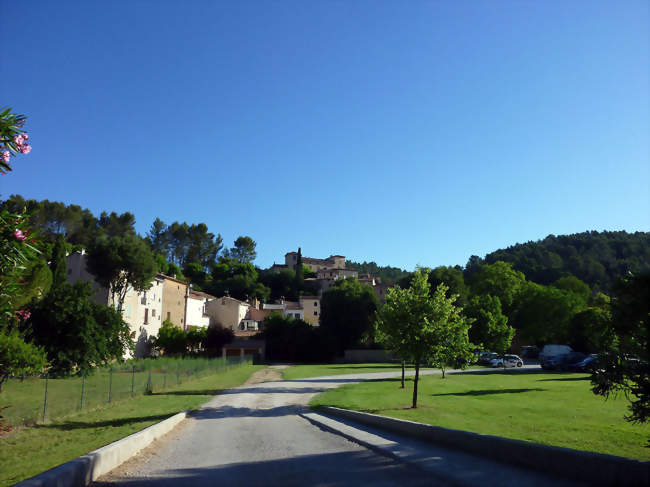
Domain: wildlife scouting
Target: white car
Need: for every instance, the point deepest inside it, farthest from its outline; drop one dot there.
(508, 360)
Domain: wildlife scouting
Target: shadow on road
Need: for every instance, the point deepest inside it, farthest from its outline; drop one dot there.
(332, 469)
(242, 412)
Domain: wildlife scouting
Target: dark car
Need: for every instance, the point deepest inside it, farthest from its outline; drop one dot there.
(561, 362)
(486, 357)
(585, 365)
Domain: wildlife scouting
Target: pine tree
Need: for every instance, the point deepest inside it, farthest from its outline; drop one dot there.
(300, 275)
(58, 262)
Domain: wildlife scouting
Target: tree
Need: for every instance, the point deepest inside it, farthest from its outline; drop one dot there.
(238, 279)
(347, 312)
(58, 262)
(18, 357)
(300, 275)
(216, 337)
(158, 238)
(452, 277)
(545, 313)
(293, 340)
(427, 328)
(171, 339)
(625, 365)
(119, 262)
(489, 325)
(12, 138)
(77, 334)
(500, 280)
(244, 250)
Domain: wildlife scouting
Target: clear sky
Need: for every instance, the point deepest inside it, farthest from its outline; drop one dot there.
(401, 132)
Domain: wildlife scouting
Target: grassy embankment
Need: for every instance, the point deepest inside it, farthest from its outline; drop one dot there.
(543, 407)
(35, 449)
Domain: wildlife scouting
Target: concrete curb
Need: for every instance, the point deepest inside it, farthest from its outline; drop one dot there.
(88, 468)
(564, 462)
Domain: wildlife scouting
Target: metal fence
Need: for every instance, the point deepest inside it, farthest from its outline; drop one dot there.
(30, 400)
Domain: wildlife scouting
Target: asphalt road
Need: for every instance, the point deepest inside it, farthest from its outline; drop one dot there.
(252, 435)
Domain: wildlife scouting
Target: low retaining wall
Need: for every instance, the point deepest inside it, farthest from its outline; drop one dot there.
(88, 468)
(574, 464)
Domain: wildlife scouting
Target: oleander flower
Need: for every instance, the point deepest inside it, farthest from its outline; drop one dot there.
(20, 236)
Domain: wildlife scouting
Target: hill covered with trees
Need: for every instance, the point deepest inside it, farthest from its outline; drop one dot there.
(597, 258)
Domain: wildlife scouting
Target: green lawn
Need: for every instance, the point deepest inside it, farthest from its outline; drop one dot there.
(318, 370)
(38, 448)
(544, 407)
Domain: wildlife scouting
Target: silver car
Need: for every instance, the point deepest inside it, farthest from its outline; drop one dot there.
(507, 361)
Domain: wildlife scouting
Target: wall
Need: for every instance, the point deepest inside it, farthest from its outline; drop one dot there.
(173, 302)
(226, 311)
(311, 308)
(196, 313)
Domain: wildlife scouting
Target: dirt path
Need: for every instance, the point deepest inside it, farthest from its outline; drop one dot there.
(269, 374)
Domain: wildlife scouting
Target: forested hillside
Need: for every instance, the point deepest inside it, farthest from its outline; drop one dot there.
(597, 258)
(388, 274)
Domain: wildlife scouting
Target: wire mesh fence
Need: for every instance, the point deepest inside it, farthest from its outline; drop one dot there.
(30, 400)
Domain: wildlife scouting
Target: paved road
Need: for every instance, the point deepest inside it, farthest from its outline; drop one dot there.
(252, 435)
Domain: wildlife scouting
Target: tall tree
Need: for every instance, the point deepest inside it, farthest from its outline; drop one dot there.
(625, 366)
(244, 250)
(347, 312)
(158, 238)
(300, 275)
(58, 262)
(427, 328)
(489, 325)
(120, 262)
(501, 280)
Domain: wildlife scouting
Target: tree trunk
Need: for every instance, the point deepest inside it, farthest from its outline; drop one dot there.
(403, 366)
(443, 372)
(415, 384)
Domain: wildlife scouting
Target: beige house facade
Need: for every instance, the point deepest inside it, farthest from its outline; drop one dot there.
(173, 303)
(311, 309)
(196, 309)
(227, 312)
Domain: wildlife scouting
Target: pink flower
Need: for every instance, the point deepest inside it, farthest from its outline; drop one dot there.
(23, 314)
(25, 149)
(20, 236)
(25, 136)
(18, 140)
(6, 155)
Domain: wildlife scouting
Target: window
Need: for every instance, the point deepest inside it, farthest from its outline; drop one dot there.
(146, 316)
(316, 303)
(169, 315)
(315, 313)
(69, 271)
(153, 312)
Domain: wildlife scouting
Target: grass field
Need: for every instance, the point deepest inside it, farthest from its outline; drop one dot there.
(543, 407)
(22, 401)
(35, 449)
(318, 370)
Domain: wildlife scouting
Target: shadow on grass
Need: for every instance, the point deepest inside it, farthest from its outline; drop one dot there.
(487, 392)
(387, 366)
(76, 425)
(508, 371)
(566, 379)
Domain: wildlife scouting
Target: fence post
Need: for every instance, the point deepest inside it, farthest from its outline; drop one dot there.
(83, 386)
(110, 384)
(165, 378)
(149, 387)
(178, 374)
(47, 378)
(132, 380)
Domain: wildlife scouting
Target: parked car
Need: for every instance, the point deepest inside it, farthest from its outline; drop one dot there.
(486, 357)
(529, 352)
(508, 360)
(550, 356)
(562, 362)
(585, 365)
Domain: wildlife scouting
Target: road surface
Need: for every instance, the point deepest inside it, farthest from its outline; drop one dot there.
(253, 435)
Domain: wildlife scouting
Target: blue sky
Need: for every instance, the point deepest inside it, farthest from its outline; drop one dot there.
(401, 132)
